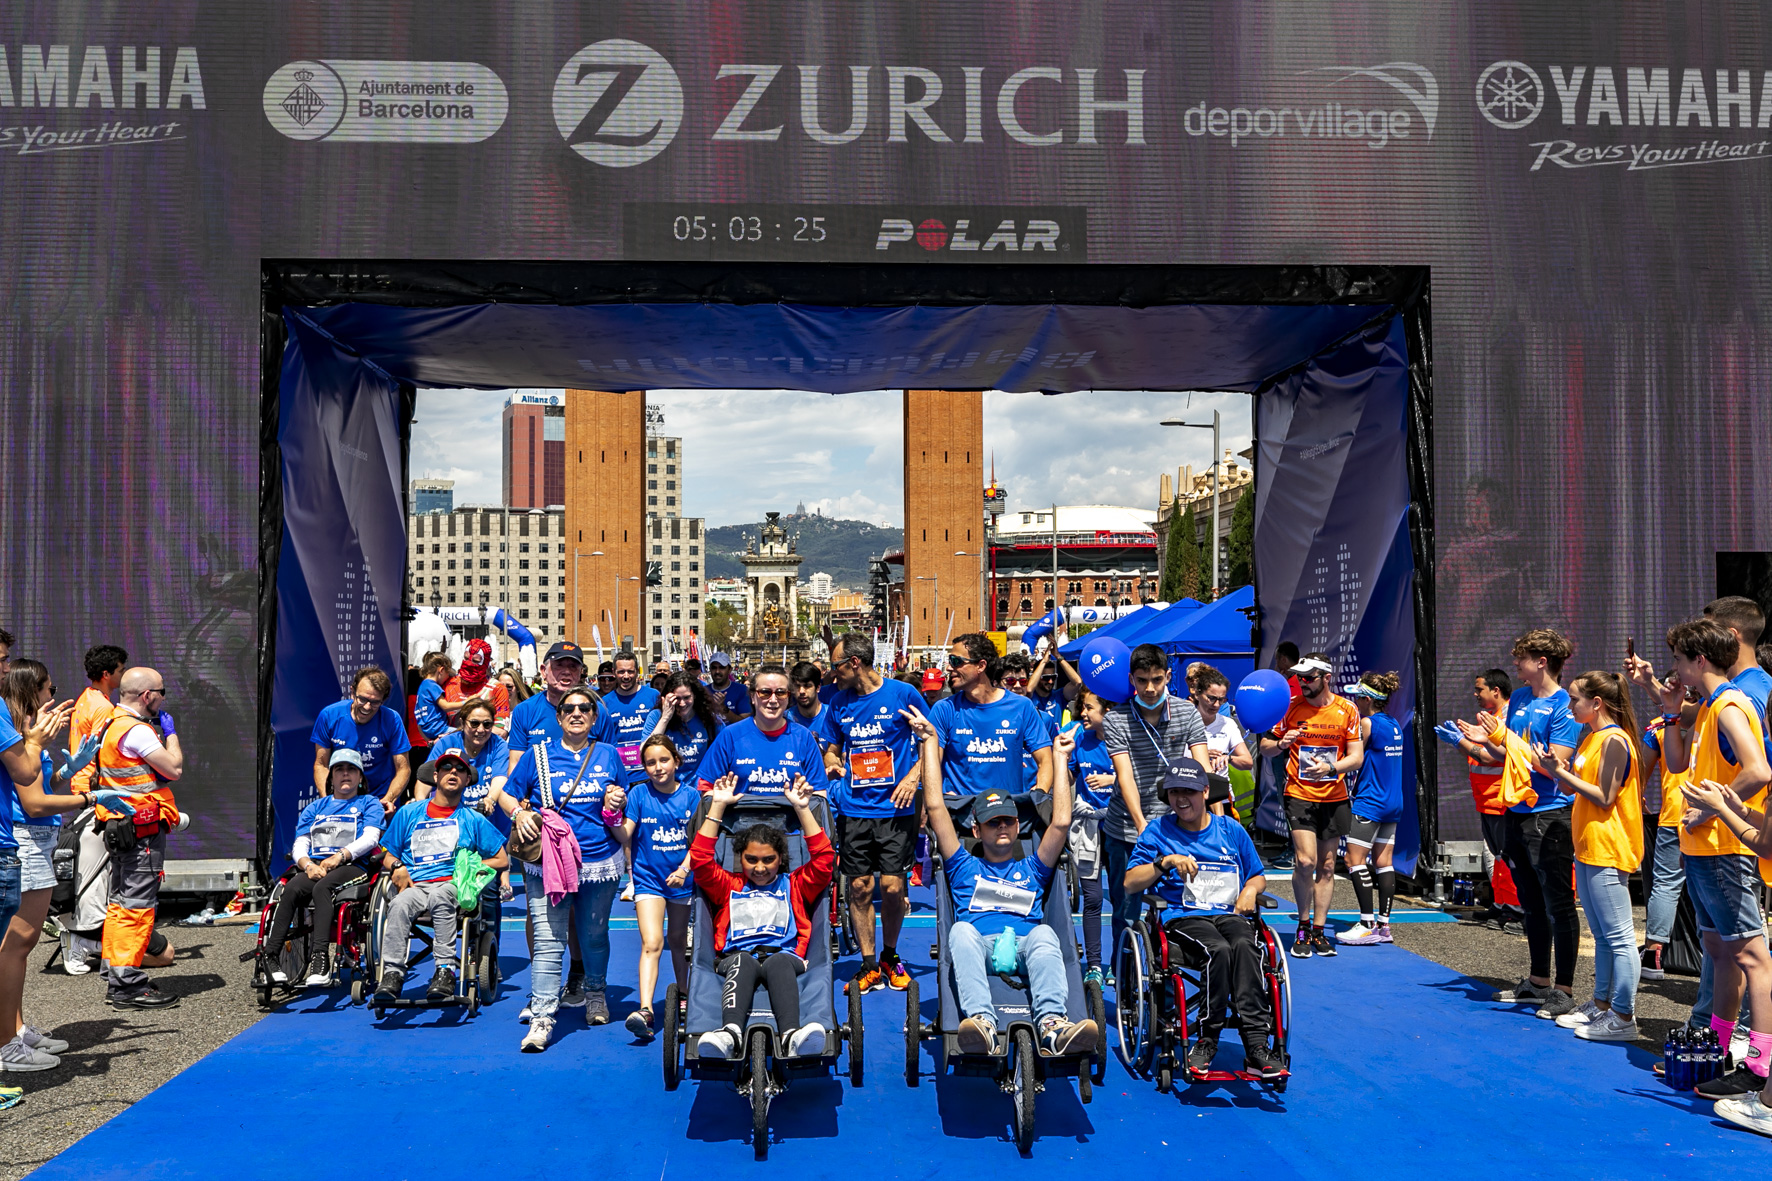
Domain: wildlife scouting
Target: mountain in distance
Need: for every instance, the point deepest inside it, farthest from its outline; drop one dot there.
(840, 548)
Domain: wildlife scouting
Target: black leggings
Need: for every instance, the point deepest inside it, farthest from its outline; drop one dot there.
(779, 972)
(1089, 886)
(296, 893)
(1224, 947)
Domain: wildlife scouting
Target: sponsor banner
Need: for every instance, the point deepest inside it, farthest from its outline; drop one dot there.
(904, 232)
(61, 99)
(1388, 105)
(363, 102)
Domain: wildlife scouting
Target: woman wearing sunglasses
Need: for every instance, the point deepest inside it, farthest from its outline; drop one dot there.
(763, 752)
(480, 744)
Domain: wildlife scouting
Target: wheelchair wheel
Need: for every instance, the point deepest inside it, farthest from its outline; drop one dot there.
(486, 956)
(1026, 1087)
(1132, 1016)
(855, 1038)
(913, 1036)
(760, 1096)
(1165, 1079)
(668, 1038)
(357, 991)
(1098, 1014)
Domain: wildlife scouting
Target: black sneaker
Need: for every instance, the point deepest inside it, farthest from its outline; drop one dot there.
(319, 970)
(1321, 943)
(1652, 969)
(1301, 944)
(147, 997)
(1263, 1061)
(1201, 1053)
(442, 985)
(388, 991)
(1740, 1081)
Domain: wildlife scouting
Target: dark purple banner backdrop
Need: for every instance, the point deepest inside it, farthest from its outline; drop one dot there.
(1587, 181)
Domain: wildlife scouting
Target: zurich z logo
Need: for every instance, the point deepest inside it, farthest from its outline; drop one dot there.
(644, 119)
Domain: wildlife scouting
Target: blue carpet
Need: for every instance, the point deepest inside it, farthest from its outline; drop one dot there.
(1400, 1063)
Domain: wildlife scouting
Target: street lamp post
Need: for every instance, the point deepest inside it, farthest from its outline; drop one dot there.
(1216, 427)
(639, 612)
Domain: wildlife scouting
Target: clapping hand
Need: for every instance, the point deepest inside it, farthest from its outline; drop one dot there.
(76, 762)
(1707, 796)
(1449, 733)
(1548, 760)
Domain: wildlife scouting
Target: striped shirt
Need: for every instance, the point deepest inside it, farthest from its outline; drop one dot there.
(1152, 745)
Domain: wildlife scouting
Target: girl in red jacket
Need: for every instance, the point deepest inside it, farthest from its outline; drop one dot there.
(762, 918)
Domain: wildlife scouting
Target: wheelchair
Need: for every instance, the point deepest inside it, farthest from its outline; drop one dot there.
(762, 1070)
(476, 953)
(347, 942)
(1017, 1065)
(1160, 993)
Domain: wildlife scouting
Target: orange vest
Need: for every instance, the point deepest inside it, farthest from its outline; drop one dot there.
(1486, 787)
(1705, 760)
(1608, 836)
(117, 771)
(90, 712)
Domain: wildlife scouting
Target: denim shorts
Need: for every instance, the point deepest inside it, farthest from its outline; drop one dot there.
(1725, 893)
(36, 855)
(9, 891)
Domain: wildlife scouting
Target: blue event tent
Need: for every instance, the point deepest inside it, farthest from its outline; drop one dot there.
(1126, 623)
(1217, 633)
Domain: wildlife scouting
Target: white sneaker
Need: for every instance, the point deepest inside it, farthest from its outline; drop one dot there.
(78, 953)
(1746, 1111)
(1608, 1027)
(1581, 1016)
(806, 1041)
(536, 1040)
(717, 1043)
(524, 1016)
(1359, 935)
(39, 1039)
(15, 1055)
(279, 976)
(627, 891)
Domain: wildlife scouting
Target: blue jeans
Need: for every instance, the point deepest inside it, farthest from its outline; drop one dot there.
(1605, 897)
(1667, 873)
(11, 877)
(1037, 954)
(588, 911)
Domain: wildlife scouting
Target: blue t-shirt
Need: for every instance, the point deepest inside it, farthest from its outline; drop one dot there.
(1050, 706)
(425, 711)
(583, 810)
(1757, 684)
(877, 746)
(490, 764)
(661, 838)
(1544, 721)
(692, 739)
(998, 895)
(9, 738)
(815, 723)
(736, 697)
(330, 823)
(1379, 793)
(626, 726)
(982, 746)
(1090, 757)
(765, 764)
(827, 691)
(1223, 850)
(761, 916)
(376, 743)
(426, 844)
(54, 819)
(536, 718)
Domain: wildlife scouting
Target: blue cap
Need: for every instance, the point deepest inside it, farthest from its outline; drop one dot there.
(1185, 775)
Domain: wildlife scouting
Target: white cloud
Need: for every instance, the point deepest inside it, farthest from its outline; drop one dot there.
(750, 451)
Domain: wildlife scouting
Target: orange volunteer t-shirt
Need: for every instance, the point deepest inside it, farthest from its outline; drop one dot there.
(1707, 760)
(90, 712)
(1328, 729)
(1608, 836)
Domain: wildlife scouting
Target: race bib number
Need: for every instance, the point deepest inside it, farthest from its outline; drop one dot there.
(434, 842)
(995, 894)
(1214, 887)
(1308, 757)
(328, 836)
(630, 755)
(868, 768)
(758, 915)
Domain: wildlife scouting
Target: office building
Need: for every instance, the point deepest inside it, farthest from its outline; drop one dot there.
(664, 472)
(674, 607)
(534, 425)
(486, 556)
(432, 496)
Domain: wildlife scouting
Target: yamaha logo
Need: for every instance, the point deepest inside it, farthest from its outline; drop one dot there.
(1510, 94)
(610, 125)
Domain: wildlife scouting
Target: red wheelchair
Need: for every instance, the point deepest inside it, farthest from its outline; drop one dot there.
(347, 942)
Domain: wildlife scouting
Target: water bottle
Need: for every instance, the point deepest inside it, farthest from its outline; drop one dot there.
(1679, 1070)
(1670, 1054)
(1713, 1057)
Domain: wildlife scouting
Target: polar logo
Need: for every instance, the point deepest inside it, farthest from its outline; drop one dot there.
(1510, 94)
(645, 118)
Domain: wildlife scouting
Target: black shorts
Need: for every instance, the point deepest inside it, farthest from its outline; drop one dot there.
(867, 845)
(1333, 819)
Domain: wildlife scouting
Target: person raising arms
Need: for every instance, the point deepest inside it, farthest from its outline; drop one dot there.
(1376, 807)
(1606, 779)
(1094, 779)
(1320, 739)
(762, 917)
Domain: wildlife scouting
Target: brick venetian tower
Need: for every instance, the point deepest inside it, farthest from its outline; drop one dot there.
(943, 516)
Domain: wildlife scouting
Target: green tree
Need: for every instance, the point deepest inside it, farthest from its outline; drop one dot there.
(1181, 558)
(1241, 544)
(724, 625)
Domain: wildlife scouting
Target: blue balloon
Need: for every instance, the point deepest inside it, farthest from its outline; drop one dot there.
(1263, 699)
(1106, 669)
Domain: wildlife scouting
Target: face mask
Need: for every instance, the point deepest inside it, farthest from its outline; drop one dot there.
(1158, 703)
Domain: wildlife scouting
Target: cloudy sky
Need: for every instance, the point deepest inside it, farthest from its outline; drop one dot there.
(749, 451)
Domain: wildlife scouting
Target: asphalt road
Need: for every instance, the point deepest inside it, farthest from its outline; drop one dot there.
(116, 1058)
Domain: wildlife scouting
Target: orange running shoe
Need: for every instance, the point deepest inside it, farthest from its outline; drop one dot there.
(896, 976)
(868, 980)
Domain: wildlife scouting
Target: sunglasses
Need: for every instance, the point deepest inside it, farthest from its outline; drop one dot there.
(578, 707)
(1219, 700)
(960, 661)
(476, 725)
(1016, 682)
(365, 702)
(1309, 678)
(999, 821)
(769, 692)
